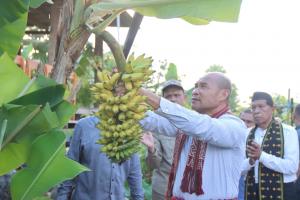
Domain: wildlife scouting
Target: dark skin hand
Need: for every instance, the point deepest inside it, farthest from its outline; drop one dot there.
(253, 151)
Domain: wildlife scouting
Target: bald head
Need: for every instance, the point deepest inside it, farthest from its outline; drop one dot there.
(221, 80)
(211, 93)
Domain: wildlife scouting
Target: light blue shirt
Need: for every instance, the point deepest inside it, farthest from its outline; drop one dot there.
(106, 180)
(226, 137)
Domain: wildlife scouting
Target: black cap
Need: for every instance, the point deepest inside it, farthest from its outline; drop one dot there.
(263, 96)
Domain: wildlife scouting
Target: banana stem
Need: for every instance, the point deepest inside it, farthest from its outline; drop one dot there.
(115, 49)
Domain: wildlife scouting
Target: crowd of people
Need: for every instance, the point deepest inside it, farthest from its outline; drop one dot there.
(205, 152)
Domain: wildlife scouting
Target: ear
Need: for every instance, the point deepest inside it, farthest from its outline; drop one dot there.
(224, 94)
(273, 108)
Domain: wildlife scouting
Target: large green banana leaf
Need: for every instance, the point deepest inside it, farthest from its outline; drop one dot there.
(12, 79)
(64, 111)
(51, 168)
(14, 82)
(51, 94)
(13, 19)
(193, 11)
(40, 82)
(25, 124)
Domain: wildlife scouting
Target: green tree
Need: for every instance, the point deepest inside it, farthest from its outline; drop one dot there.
(282, 108)
(216, 68)
(172, 72)
(233, 101)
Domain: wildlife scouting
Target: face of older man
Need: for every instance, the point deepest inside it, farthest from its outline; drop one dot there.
(262, 113)
(207, 96)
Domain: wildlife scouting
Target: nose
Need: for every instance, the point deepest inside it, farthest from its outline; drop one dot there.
(172, 99)
(195, 92)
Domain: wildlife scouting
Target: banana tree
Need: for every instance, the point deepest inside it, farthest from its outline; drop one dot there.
(80, 18)
(32, 114)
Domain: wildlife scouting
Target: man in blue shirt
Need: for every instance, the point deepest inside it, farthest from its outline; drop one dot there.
(106, 180)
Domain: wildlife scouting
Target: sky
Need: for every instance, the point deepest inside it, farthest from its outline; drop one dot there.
(259, 53)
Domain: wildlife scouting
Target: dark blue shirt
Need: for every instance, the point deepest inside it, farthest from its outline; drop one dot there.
(106, 180)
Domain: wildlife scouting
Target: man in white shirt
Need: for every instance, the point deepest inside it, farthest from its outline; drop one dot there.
(272, 154)
(210, 142)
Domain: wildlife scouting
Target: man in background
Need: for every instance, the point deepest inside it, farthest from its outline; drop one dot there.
(160, 147)
(272, 154)
(247, 117)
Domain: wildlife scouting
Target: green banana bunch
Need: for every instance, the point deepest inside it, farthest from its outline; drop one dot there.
(119, 115)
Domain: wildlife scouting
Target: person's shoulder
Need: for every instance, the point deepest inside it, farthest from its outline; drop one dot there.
(288, 128)
(233, 118)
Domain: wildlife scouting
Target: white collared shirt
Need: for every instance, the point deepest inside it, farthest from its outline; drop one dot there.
(288, 165)
(226, 138)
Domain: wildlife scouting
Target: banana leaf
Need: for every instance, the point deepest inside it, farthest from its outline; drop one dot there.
(193, 11)
(51, 168)
(13, 156)
(24, 125)
(2, 131)
(12, 79)
(51, 94)
(13, 19)
(40, 82)
(64, 111)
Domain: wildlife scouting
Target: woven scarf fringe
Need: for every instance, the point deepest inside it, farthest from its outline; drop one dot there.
(192, 181)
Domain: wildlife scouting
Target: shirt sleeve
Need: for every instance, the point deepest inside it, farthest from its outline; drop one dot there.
(65, 189)
(158, 124)
(289, 163)
(154, 159)
(227, 131)
(246, 166)
(135, 178)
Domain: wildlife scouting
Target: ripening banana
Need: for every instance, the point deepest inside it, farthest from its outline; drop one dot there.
(119, 115)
